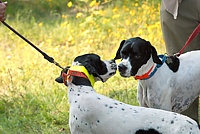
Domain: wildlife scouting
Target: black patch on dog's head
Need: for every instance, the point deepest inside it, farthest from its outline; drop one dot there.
(137, 45)
(173, 63)
(139, 52)
(118, 56)
(101, 70)
(93, 64)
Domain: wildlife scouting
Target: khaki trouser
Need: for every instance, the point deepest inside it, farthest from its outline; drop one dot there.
(177, 31)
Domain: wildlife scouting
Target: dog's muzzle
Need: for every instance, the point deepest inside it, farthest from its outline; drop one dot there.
(122, 68)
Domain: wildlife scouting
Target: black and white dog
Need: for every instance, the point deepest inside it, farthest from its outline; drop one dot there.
(168, 83)
(93, 113)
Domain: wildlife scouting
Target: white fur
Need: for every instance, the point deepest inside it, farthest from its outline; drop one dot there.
(126, 63)
(93, 113)
(168, 90)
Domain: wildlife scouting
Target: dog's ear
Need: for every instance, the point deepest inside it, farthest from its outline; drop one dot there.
(60, 79)
(92, 70)
(154, 55)
(118, 56)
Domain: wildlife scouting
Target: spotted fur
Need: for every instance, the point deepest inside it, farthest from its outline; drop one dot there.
(93, 113)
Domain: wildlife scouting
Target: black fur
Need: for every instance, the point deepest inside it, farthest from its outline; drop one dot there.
(118, 56)
(139, 51)
(173, 63)
(155, 55)
(149, 131)
(60, 79)
(92, 63)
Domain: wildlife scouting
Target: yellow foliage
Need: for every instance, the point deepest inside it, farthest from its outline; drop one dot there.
(40, 24)
(115, 16)
(94, 3)
(79, 14)
(115, 9)
(69, 4)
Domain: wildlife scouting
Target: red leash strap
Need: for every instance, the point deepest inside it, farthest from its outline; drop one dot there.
(192, 36)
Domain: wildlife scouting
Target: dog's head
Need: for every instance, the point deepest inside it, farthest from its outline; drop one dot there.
(135, 52)
(101, 70)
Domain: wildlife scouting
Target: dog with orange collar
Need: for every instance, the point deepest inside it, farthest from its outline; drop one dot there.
(93, 113)
(164, 82)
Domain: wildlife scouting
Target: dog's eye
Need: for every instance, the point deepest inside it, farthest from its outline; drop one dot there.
(124, 56)
(137, 56)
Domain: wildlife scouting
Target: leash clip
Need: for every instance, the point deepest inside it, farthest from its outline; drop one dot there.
(177, 54)
(66, 78)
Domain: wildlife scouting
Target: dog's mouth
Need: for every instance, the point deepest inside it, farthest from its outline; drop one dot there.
(124, 75)
(111, 74)
(111, 69)
(125, 71)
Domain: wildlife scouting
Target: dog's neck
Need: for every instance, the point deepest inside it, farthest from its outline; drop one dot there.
(79, 81)
(78, 75)
(145, 69)
(149, 69)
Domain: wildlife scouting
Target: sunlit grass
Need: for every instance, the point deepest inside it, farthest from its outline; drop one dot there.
(30, 100)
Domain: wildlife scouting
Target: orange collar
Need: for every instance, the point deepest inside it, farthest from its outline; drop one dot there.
(67, 77)
(79, 71)
(144, 76)
(150, 73)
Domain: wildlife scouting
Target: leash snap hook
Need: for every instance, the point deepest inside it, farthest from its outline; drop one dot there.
(177, 54)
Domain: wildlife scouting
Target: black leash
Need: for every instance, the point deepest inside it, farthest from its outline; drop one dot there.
(50, 59)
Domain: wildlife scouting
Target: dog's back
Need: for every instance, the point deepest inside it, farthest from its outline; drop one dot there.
(185, 82)
(92, 113)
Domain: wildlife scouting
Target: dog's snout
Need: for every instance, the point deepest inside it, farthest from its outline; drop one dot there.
(113, 64)
(112, 61)
(122, 67)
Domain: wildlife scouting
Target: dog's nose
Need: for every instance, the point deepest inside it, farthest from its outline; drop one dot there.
(121, 67)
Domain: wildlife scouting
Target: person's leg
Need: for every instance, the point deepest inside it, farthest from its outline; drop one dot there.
(192, 111)
(177, 31)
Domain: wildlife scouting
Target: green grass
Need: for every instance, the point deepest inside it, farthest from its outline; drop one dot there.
(30, 100)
